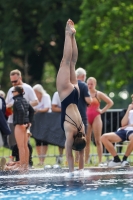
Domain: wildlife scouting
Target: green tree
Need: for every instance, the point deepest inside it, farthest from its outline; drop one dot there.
(105, 38)
(32, 34)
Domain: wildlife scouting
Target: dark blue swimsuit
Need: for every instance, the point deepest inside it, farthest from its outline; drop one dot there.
(72, 98)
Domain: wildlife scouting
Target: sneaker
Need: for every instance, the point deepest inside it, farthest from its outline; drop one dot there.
(56, 166)
(125, 164)
(102, 164)
(31, 167)
(69, 175)
(47, 167)
(114, 164)
(79, 172)
(76, 173)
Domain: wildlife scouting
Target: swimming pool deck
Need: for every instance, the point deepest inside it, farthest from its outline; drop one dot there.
(62, 170)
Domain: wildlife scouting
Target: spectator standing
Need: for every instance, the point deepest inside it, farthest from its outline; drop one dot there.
(30, 96)
(43, 106)
(22, 119)
(56, 107)
(94, 117)
(84, 100)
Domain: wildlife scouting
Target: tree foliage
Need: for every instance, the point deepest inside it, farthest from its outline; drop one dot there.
(105, 37)
(32, 34)
(32, 37)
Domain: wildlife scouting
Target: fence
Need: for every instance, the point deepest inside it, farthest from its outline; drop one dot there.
(111, 122)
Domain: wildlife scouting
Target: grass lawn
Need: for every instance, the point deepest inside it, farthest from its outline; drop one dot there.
(53, 152)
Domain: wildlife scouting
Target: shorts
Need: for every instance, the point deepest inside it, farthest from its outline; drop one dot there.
(124, 134)
(40, 142)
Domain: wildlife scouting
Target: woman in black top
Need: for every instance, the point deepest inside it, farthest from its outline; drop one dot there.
(22, 119)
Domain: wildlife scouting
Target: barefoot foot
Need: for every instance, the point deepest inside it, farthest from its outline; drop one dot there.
(70, 27)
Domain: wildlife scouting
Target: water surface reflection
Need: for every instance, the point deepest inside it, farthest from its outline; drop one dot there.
(96, 184)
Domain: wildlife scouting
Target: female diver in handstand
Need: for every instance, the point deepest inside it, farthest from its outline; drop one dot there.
(68, 90)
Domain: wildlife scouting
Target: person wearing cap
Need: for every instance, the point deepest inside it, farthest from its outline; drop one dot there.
(68, 89)
(22, 118)
(30, 96)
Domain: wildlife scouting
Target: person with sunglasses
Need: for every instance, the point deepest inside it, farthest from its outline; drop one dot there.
(68, 89)
(30, 96)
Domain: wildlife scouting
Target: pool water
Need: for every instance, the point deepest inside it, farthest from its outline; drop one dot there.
(97, 184)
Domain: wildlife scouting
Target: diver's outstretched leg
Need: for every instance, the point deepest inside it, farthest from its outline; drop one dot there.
(63, 83)
(73, 77)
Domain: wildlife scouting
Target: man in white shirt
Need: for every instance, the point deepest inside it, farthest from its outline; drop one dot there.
(16, 79)
(122, 134)
(56, 107)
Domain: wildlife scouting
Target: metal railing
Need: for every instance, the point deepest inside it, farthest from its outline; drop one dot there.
(111, 122)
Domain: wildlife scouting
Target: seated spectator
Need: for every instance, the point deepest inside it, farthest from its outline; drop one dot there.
(56, 107)
(122, 134)
(43, 106)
